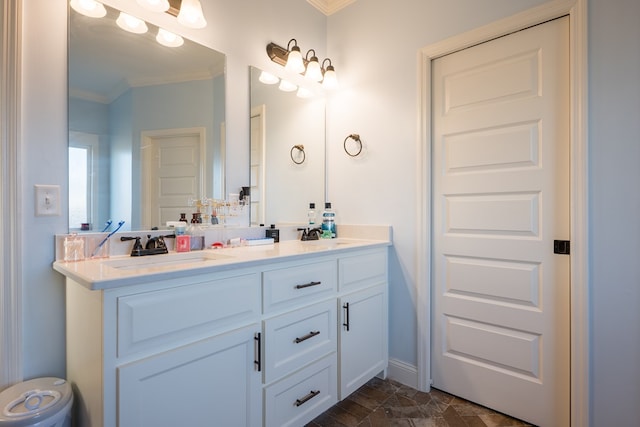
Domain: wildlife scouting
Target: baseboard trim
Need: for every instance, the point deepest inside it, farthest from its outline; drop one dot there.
(403, 373)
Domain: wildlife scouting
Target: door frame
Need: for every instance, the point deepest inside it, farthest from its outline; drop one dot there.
(579, 346)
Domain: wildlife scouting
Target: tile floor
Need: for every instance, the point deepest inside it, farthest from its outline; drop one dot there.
(386, 403)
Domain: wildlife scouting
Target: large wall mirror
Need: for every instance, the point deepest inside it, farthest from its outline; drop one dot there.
(146, 125)
(287, 153)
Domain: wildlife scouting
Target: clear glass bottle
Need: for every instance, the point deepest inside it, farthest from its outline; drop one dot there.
(311, 215)
(329, 222)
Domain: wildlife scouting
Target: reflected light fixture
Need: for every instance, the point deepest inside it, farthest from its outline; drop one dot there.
(90, 8)
(289, 57)
(169, 39)
(294, 63)
(131, 23)
(330, 80)
(268, 78)
(191, 15)
(287, 86)
(155, 5)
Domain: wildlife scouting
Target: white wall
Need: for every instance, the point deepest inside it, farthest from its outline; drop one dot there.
(374, 45)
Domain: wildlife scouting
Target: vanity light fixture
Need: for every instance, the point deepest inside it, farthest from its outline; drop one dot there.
(169, 39)
(155, 5)
(131, 23)
(330, 80)
(90, 8)
(294, 61)
(191, 15)
(291, 59)
(313, 67)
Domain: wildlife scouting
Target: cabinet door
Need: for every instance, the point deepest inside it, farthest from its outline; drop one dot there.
(363, 337)
(209, 383)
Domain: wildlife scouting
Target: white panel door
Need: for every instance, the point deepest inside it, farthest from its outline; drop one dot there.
(500, 198)
(171, 175)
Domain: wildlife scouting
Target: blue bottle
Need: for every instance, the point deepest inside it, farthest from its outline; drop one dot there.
(328, 222)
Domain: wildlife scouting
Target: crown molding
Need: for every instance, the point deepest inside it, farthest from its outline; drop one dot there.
(329, 7)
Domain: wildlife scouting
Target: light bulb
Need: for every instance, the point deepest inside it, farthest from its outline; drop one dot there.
(330, 80)
(191, 14)
(313, 70)
(268, 78)
(169, 39)
(286, 86)
(89, 8)
(295, 64)
(131, 23)
(155, 5)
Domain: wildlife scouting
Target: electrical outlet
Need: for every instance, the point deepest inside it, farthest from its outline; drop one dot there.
(47, 200)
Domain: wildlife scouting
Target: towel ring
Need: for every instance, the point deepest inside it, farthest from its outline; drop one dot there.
(357, 139)
(300, 148)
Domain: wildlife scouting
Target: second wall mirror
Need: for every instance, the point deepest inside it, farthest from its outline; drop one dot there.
(287, 153)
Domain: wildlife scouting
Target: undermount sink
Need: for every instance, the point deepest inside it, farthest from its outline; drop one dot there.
(169, 260)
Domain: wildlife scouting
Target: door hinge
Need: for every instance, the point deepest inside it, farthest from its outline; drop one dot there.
(562, 247)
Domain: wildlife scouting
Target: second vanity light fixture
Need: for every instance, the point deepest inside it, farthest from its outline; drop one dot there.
(292, 60)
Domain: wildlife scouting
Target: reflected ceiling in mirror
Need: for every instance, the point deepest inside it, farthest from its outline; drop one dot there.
(287, 153)
(146, 125)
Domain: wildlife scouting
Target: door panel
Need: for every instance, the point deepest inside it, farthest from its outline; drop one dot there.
(500, 198)
(171, 175)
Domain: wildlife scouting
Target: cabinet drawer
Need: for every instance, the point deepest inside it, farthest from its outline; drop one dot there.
(362, 269)
(175, 316)
(298, 338)
(300, 284)
(301, 397)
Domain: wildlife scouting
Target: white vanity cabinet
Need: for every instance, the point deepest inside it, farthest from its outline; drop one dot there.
(167, 353)
(258, 344)
(363, 318)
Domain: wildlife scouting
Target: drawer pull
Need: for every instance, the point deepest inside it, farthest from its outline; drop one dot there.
(307, 285)
(306, 337)
(308, 397)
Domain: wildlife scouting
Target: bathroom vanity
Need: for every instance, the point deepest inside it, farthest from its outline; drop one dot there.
(252, 336)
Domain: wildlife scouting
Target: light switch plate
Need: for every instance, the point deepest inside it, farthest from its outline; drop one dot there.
(47, 200)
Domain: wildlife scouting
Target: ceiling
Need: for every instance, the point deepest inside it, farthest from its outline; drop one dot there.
(329, 7)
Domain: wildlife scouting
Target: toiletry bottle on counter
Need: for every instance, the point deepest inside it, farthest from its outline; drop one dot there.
(311, 215)
(328, 222)
(273, 232)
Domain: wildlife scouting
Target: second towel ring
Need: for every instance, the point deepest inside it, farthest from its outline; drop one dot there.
(300, 148)
(357, 139)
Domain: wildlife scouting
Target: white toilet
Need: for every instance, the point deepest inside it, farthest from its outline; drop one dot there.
(41, 402)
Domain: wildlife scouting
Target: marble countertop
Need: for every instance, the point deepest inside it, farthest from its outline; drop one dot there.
(117, 271)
